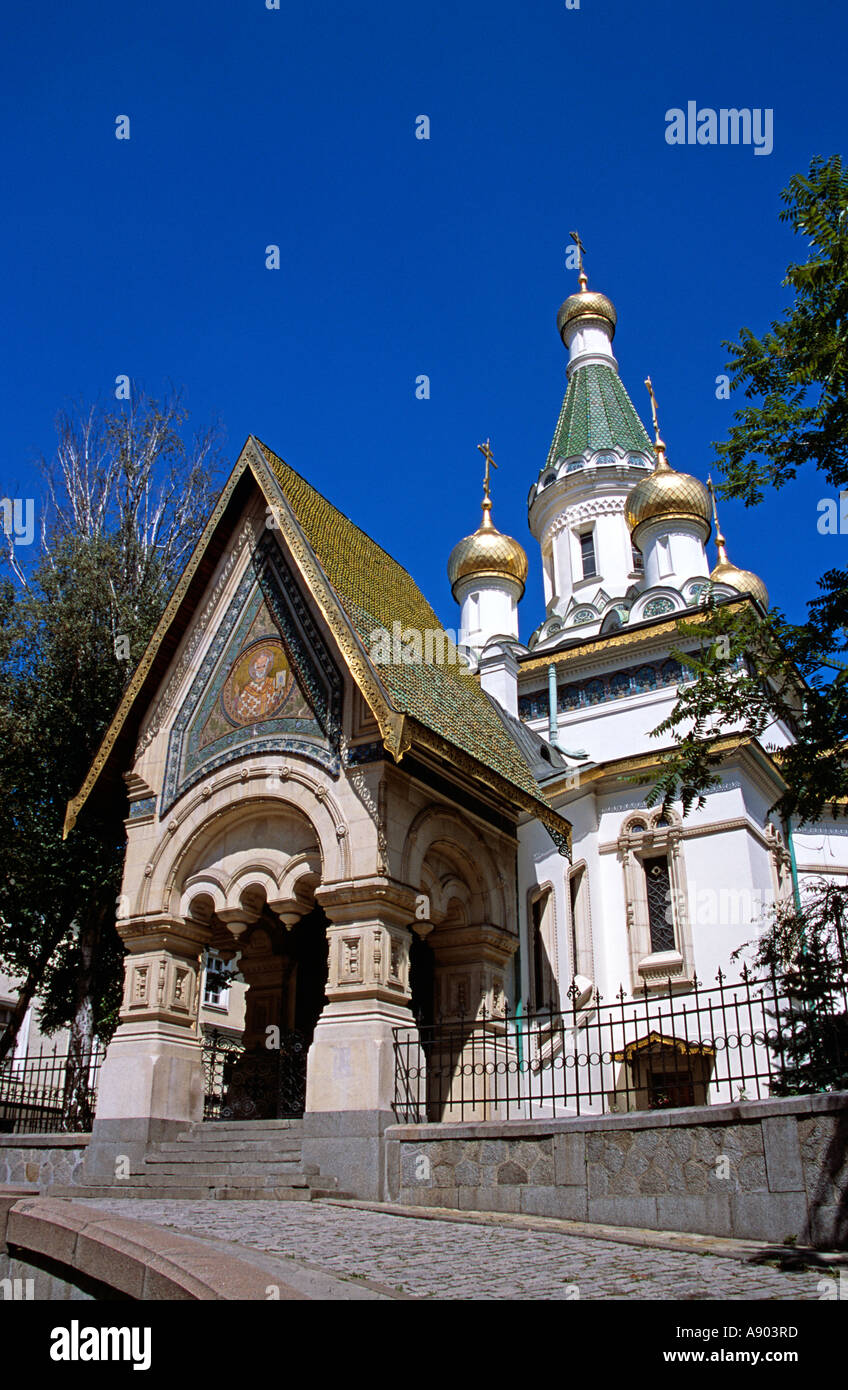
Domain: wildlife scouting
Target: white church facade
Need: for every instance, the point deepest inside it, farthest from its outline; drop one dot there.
(381, 846)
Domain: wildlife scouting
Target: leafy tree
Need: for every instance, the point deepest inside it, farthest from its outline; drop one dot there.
(805, 951)
(126, 497)
(752, 672)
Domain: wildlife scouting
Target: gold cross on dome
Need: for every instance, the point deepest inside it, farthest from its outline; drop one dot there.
(486, 451)
(575, 237)
(650, 387)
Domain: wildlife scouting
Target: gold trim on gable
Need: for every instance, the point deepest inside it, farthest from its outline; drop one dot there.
(390, 721)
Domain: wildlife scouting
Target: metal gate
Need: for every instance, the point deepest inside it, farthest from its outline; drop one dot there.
(255, 1083)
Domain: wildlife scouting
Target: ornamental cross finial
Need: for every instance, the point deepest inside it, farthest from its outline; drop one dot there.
(582, 279)
(721, 540)
(650, 387)
(486, 451)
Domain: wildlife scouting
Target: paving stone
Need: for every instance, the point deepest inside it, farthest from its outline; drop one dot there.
(440, 1259)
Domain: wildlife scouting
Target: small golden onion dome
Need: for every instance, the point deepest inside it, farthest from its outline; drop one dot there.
(668, 496)
(586, 304)
(488, 553)
(744, 581)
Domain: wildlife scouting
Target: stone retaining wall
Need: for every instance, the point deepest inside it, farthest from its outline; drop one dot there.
(42, 1159)
(773, 1170)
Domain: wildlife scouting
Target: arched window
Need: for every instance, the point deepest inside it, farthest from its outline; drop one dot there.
(544, 986)
(651, 851)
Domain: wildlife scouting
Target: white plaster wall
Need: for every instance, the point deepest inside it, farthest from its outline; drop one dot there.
(488, 608)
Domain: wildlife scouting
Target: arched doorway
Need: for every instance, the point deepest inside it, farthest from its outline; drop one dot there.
(261, 1074)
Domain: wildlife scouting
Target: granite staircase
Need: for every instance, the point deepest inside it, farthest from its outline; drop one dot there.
(231, 1159)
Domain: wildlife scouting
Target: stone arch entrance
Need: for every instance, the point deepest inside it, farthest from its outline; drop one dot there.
(461, 961)
(259, 1071)
(250, 882)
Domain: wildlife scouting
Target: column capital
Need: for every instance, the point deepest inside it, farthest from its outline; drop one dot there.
(159, 932)
(368, 899)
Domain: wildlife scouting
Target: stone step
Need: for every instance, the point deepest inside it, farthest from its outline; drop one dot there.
(218, 1168)
(151, 1191)
(179, 1153)
(244, 1129)
(182, 1177)
(156, 1192)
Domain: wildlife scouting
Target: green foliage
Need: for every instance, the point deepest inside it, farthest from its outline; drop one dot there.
(804, 951)
(769, 671)
(114, 535)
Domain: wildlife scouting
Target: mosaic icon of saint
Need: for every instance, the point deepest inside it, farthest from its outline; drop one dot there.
(257, 685)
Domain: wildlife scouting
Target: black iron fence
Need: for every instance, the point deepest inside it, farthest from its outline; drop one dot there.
(256, 1083)
(746, 1039)
(48, 1093)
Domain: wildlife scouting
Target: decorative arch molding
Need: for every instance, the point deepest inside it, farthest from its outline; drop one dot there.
(441, 829)
(647, 605)
(211, 806)
(584, 511)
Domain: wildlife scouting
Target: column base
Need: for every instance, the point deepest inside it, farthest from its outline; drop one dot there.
(150, 1087)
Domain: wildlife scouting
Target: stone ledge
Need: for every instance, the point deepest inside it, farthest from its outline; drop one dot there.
(44, 1141)
(740, 1113)
(142, 1261)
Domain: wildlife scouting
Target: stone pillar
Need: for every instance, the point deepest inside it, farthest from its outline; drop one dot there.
(469, 1065)
(351, 1067)
(151, 1081)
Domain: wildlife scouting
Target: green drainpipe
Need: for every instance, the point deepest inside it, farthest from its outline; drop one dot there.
(793, 863)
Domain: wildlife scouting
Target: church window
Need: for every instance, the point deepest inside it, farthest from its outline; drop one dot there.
(582, 956)
(660, 918)
(215, 990)
(587, 554)
(583, 615)
(638, 559)
(659, 932)
(543, 949)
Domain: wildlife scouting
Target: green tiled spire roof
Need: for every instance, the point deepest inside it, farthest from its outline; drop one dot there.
(597, 413)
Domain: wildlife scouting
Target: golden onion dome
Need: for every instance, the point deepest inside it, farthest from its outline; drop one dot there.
(586, 304)
(743, 581)
(668, 496)
(487, 554)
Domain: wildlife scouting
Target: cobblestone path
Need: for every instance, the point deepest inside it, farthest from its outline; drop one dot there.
(455, 1260)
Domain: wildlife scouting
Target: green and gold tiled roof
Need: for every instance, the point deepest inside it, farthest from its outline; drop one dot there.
(375, 592)
(596, 414)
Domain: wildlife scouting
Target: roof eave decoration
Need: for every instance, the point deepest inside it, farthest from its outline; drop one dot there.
(558, 827)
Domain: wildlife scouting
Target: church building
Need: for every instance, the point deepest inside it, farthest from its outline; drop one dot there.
(376, 829)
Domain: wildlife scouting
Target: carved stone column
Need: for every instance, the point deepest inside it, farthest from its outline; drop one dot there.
(151, 1082)
(351, 1066)
(470, 1061)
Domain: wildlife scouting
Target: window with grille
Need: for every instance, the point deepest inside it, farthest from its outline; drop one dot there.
(658, 885)
(587, 555)
(215, 988)
(638, 561)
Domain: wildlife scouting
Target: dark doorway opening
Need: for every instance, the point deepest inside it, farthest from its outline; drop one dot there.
(263, 1076)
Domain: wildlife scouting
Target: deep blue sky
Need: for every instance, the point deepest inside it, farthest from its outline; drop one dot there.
(401, 256)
